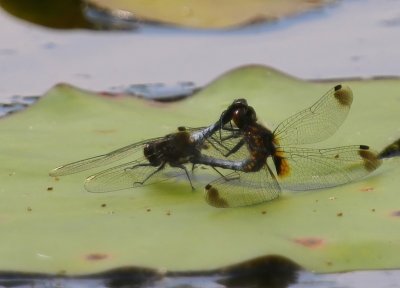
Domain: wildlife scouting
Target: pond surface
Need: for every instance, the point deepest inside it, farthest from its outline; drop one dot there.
(351, 38)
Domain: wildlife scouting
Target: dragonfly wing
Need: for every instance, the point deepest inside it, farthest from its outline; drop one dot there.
(317, 122)
(222, 142)
(242, 189)
(130, 175)
(306, 168)
(97, 161)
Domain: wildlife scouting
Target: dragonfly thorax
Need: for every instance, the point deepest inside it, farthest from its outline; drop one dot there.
(175, 149)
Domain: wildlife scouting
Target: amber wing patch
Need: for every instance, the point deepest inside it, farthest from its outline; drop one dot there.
(213, 197)
(343, 95)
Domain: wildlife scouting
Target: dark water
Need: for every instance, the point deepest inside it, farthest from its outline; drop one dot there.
(263, 272)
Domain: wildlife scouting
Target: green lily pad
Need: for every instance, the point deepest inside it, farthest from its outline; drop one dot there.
(53, 225)
(210, 14)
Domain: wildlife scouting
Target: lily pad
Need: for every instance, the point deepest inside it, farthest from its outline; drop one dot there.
(210, 14)
(54, 226)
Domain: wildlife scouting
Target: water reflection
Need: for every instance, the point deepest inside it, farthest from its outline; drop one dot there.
(274, 272)
(65, 14)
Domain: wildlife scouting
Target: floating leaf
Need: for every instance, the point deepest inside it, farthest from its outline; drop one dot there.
(208, 14)
(54, 226)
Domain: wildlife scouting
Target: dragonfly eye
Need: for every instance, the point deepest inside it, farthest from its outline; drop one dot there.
(240, 103)
(150, 151)
(232, 111)
(251, 115)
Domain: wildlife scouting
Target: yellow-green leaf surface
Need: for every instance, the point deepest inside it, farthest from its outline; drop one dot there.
(50, 225)
(208, 14)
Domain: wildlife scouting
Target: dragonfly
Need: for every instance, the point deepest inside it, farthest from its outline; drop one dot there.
(168, 154)
(263, 161)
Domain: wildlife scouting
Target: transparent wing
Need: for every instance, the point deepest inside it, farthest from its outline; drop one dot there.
(242, 189)
(222, 142)
(135, 150)
(317, 122)
(307, 169)
(130, 175)
(97, 161)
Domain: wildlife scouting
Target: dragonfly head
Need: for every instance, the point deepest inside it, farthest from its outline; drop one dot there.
(228, 114)
(244, 116)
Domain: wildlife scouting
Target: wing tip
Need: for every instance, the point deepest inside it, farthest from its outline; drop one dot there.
(87, 184)
(214, 198)
(56, 172)
(343, 94)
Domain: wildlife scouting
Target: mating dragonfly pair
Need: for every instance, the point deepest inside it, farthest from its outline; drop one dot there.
(238, 142)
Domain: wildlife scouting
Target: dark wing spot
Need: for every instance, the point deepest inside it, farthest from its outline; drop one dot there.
(213, 198)
(281, 165)
(343, 95)
(371, 160)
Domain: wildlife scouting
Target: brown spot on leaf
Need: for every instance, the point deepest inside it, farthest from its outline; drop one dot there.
(395, 213)
(168, 213)
(339, 214)
(29, 209)
(50, 188)
(148, 209)
(104, 205)
(96, 256)
(373, 209)
(367, 189)
(264, 212)
(105, 131)
(310, 242)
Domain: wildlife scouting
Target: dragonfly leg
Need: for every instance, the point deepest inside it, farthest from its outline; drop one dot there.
(217, 147)
(223, 176)
(148, 176)
(187, 173)
(236, 148)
